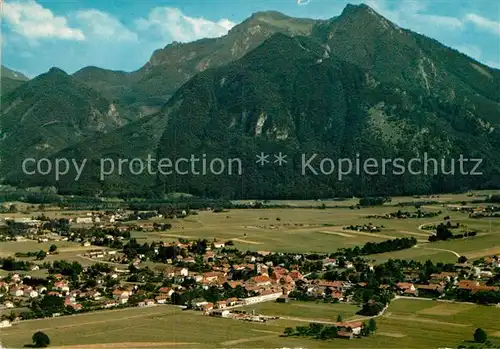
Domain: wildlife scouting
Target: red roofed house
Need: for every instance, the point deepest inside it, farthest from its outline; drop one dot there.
(232, 301)
(207, 307)
(235, 284)
(354, 327)
(220, 304)
(76, 307)
(166, 291)
(287, 280)
(109, 304)
(468, 284)
(407, 288)
(341, 286)
(295, 275)
(212, 276)
(162, 299)
(16, 291)
(261, 280)
(147, 303)
(432, 289)
(484, 288)
(345, 334)
(444, 276)
(121, 296)
(61, 286)
(4, 285)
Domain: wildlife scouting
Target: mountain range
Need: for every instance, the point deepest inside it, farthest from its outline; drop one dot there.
(356, 85)
(10, 79)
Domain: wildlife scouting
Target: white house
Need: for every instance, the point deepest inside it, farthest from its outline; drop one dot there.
(181, 271)
(16, 292)
(219, 244)
(146, 303)
(262, 298)
(61, 286)
(8, 304)
(5, 323)
(110, 304)
(162, 299)
(121, 295)
(95, 295)
(84, 220)
(30, 293)
(354, 327)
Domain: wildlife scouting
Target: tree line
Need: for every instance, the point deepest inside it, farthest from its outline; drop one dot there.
(377, 247)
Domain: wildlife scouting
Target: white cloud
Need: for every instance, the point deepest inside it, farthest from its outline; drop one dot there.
(483, 23)
(451, 23)
(493, 64)
(172, 24)
(102, 25)
(33, 21)
(411, 14)
(470, 50)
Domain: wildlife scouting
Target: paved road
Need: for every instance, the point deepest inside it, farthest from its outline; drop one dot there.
(437, 249)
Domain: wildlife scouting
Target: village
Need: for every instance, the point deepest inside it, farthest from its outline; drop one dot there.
(213, 277)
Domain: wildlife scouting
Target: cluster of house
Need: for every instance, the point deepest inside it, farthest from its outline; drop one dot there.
(489, 211)
(99, 253)
(365, 227)
(476, 211)
(18, 292)
(467, 277)
(100, 217)
(404, 215)
(28, 225)
(264, 282)
(16, 289)
(33, 228)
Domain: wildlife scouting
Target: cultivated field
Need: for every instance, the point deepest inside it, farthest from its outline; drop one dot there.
(319, 311)
(67, 250)
(316, 230)
(310, 229)
(427, 323)
(406, 324)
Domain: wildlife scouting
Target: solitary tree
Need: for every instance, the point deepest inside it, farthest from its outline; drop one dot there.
(289, 331)
(52, 248)
(339, 318)
(40, 340)
(372, 325)
(364, 330)
(480, 336)
(41, 255)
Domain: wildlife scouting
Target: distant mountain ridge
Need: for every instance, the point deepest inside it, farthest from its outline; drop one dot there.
(354, 84)
(50, 113)
(12, 74)
(169, 68)
(10, 79)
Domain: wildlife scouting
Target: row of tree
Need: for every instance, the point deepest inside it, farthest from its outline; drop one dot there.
(325, 332)
(378, 247)
(443, 233)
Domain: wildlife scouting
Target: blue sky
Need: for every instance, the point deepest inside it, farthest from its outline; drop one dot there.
(122, 34)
